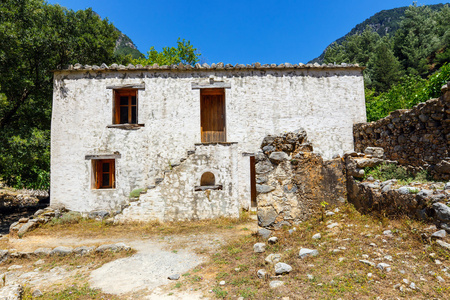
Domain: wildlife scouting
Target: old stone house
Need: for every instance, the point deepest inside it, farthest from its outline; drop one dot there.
(187, 136)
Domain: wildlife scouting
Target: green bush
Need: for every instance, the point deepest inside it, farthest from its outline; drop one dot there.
(410, 91)
(385, 172)
(135, 193)
(70, 217)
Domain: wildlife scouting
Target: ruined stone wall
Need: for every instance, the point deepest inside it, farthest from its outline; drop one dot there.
(324, 101)
(292, 181)
(418, 137)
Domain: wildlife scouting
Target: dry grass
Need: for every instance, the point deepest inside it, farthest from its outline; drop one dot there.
(336, 274)
(88, 228)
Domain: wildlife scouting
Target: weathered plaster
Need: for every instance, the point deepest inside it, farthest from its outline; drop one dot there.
(326, 103)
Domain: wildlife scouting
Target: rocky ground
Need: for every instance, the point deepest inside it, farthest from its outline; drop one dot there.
(342, 254)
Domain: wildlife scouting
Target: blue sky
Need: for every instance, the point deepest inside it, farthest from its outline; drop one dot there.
(265, 31)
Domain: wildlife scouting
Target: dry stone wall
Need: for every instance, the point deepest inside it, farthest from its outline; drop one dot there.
(419, 137)
(424, 201)
(292, 180)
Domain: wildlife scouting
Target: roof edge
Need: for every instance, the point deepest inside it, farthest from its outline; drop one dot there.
(205, 66)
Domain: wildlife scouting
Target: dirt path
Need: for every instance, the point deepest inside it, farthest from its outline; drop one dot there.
(141, 276)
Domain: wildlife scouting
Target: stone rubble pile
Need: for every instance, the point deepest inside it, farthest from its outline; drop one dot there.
(428, 202)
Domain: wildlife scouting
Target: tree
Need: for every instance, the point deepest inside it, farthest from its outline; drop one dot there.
(355, 48)
(416, 39)
(37, 38)
(383, 67)
(184, 53)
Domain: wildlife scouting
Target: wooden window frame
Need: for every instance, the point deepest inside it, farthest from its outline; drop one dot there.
(98, 172)
(116, 107)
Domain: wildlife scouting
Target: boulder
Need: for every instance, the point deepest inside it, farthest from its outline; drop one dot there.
(174, 277)
(317, 236)
(439, 234)
(26, 227)
(384, 266)
(443, 244)
(42, 251)
(4, 254)
(443, 167)
(263, 167)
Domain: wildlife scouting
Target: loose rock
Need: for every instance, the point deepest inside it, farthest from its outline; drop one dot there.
(261, 273)
(37, 293)
(273, 240)
(316, 236)
(282, 268)
(259, 247)
(273, 258)
(113, 247)
(305, 252)
(265, 233)
(61, 251)
(276, 283)
(439, 234)
(384, 266)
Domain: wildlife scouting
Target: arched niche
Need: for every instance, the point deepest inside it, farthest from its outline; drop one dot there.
(208, 179)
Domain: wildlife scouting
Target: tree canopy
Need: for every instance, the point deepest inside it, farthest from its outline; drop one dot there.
(184, 53)
(37, 38)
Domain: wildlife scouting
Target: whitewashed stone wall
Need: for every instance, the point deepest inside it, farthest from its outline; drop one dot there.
(175, 198)
(325, 102)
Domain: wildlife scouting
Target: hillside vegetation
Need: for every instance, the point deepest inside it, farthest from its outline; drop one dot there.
(383, 22)
(403, 68)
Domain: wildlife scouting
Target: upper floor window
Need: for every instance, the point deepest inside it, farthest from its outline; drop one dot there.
(125, 106)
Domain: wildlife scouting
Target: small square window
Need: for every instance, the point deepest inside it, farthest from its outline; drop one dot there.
(125, 106)
(103, 171)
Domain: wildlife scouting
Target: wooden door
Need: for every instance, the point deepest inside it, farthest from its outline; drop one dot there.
(253, 182)
(212, 116)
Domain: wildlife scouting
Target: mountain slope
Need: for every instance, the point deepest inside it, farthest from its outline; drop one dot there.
(383, 22)
(125, 46)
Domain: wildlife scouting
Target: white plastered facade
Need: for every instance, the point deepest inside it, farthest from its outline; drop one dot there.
(326, 102)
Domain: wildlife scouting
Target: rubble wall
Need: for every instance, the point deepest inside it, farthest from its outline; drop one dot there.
(419, 136)
(292, 181)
